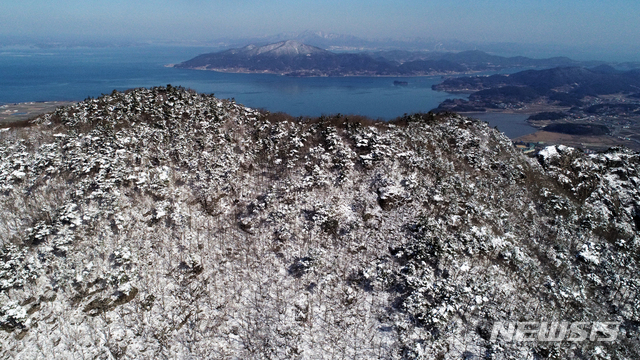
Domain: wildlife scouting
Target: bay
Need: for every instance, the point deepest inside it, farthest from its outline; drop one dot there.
(73, 74)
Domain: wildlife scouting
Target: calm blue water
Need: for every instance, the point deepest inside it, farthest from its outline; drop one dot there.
(513, 125)
(75, 74)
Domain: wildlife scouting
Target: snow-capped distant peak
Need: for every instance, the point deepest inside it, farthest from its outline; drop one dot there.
(285, 48)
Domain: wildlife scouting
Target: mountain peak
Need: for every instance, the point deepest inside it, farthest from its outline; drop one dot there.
(139, 209)
(288, 48)
(282, 48)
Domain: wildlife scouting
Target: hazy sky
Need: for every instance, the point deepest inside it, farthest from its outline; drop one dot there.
(604, 23)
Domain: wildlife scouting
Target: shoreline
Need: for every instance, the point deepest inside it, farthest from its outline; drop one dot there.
(542, 137)
(293, 73)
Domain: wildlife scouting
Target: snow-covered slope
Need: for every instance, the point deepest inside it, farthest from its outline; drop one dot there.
(161, 223)
(288, 48)
(283, 48)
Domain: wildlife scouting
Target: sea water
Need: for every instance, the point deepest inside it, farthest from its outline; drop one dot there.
(73, 74)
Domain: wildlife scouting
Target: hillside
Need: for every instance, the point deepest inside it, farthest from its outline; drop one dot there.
(161, 223)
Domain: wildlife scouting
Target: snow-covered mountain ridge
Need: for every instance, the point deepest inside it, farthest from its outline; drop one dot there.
(163, 223)
(283, 48)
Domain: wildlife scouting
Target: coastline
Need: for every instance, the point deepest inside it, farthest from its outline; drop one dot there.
(302, 74)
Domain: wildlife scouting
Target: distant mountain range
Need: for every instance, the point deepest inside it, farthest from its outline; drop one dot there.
(560, 86)
(346, 42)
(294, 58)
(579, 81)
(338, 42)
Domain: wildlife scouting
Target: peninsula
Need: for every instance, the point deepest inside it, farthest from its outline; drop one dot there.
(293, 58)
